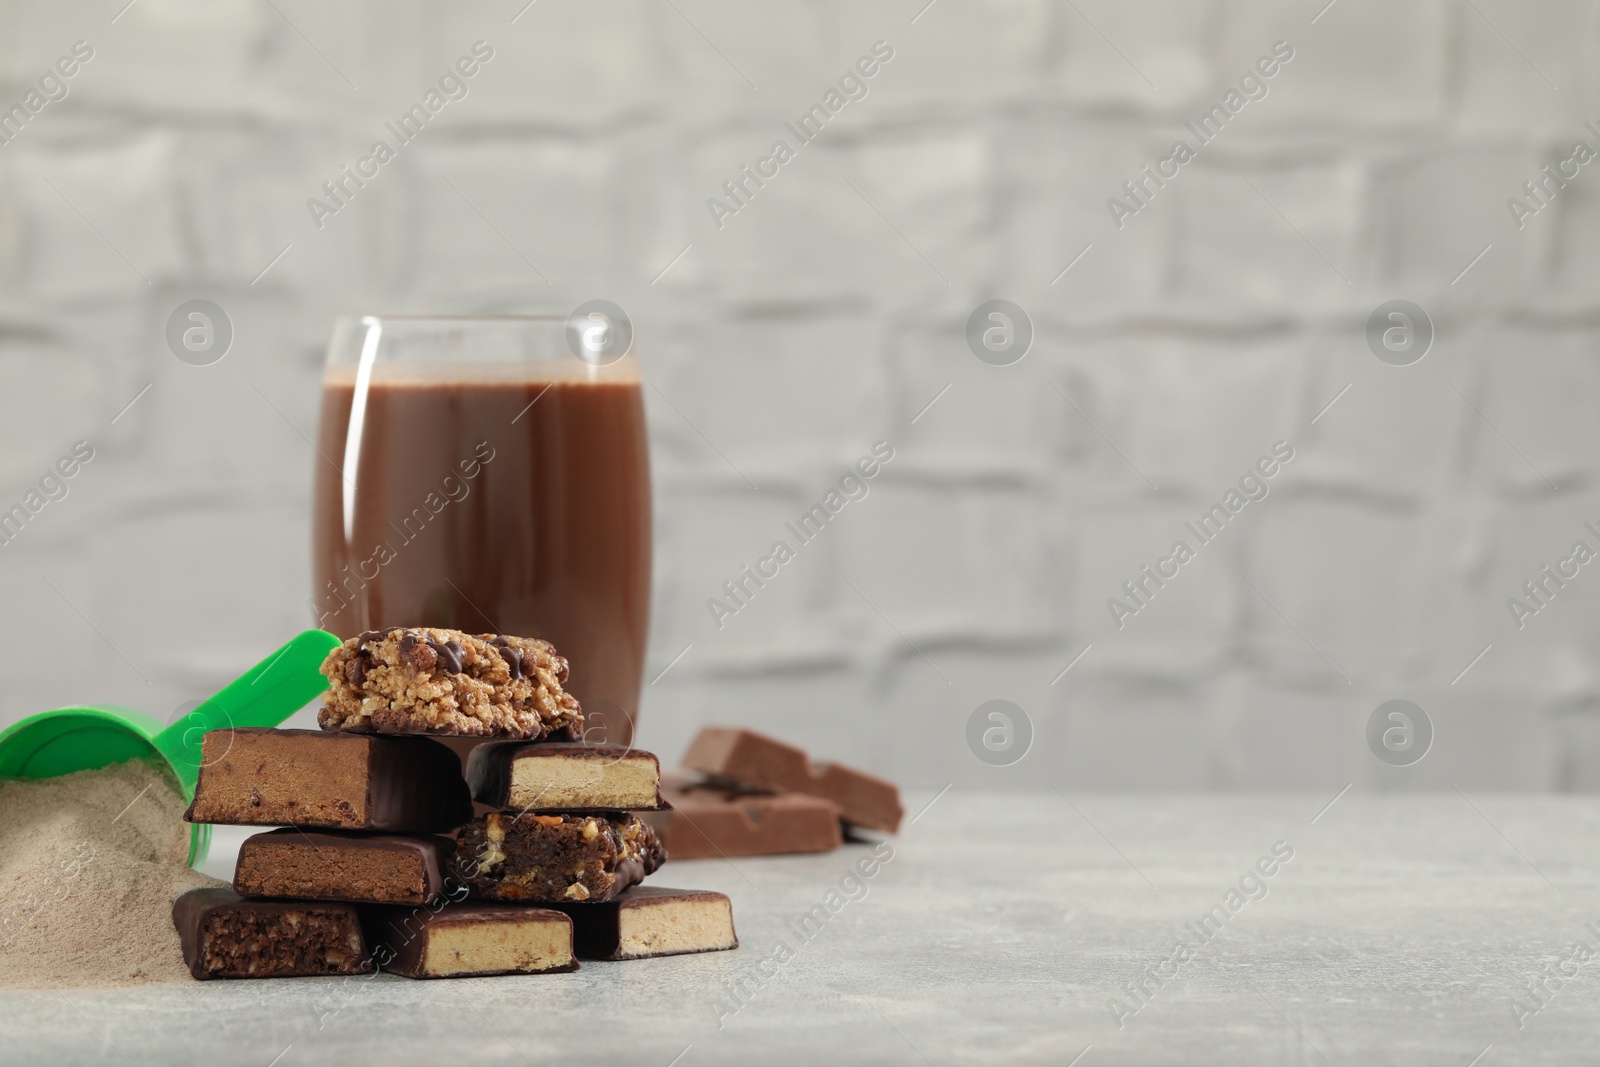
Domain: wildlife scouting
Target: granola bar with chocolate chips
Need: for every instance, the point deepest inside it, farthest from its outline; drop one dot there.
(549, 858)
(406, 680)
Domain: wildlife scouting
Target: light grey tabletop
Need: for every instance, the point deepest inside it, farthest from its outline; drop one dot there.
(1006, 929)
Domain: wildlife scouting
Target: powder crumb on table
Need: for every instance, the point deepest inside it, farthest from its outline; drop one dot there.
(89, 864)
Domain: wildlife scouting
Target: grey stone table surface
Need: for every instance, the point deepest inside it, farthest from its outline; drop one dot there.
(1045, 928)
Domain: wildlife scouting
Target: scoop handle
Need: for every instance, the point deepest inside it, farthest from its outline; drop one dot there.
(265, 695)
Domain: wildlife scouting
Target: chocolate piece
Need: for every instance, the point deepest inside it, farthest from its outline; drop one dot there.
(468, 939)
(224, 935)
(432, 681)
(650, 921)
(564, 777)
(707, 822)
(330, 865)
(753, 759)
(545, 858)
(260, 777)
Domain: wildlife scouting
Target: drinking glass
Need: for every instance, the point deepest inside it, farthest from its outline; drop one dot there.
(490, 475)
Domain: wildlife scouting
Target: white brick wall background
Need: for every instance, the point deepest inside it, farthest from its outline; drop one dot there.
(827, 314)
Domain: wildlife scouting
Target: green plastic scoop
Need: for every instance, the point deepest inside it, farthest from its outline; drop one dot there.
(80, 739)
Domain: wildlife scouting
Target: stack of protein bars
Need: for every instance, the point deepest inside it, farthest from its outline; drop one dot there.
(359, 875)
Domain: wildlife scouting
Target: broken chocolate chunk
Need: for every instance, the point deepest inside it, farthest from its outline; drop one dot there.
(747, 758)
(708, 822)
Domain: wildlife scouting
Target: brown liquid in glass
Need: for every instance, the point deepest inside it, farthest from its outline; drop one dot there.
(493, 504)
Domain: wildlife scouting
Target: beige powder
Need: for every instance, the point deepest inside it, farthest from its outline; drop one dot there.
(89, 864)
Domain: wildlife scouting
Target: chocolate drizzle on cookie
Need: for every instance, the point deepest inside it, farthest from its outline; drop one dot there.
(449, 655)
(512, 656)
(427, 654)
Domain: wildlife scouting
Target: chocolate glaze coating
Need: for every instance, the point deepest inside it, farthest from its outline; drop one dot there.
(257, 776)
(357, 867)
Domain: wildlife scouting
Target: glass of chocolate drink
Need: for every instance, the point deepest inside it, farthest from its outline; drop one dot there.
(490, 475)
